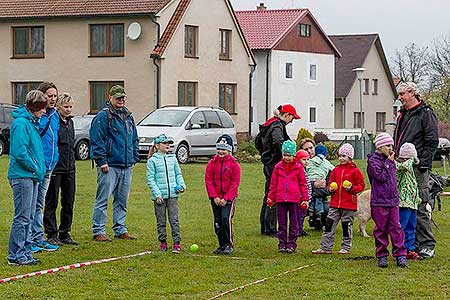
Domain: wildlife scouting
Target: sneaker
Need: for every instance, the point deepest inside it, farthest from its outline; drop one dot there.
(426, 253)
(321, 251)
(35, 249)
(343, 251)
(281, 249)
(401, 261)
(290, 250)
(228, 250)
(125, 236)
(412, 255)
(382, 262)
(25, 263)
(176, 248)
(54, 241)
(46, 246)
(101, 238)
(163, 247)
(219, 250)
(68, 241)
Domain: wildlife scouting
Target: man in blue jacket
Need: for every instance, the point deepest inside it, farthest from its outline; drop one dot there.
(115, 149)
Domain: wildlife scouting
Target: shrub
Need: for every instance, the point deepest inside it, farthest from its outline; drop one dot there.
(247, 153)
(320, 138)
(303, 133)
(332, 149)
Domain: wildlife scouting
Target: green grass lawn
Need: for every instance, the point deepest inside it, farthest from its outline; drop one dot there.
(185, 276)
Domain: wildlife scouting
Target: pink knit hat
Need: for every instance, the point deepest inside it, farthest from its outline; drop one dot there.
(407, 150)
(347, 149)
(383, 139)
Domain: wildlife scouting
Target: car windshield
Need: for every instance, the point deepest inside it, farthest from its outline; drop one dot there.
(165, 118)
(81, 123)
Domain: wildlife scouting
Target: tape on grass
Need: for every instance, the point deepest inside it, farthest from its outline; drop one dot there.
(259, 281)
(72, 266)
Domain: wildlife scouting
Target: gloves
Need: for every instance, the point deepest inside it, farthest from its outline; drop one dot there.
(159, 200)
(270, 202)
(179, 188)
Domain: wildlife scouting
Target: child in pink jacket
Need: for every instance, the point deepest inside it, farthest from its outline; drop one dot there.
(288, 189)
(222, 178)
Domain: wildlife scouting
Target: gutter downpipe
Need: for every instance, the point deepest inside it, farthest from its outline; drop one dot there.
(158, 67)
(267, 84)
(250, 95)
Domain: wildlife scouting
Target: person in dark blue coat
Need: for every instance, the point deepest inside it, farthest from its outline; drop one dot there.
(115, 149)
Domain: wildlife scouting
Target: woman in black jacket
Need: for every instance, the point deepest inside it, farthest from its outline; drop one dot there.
(273, 134)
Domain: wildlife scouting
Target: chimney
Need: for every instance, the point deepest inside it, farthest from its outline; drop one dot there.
(261, 7)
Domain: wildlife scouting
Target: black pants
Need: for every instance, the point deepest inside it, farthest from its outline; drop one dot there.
(65, 181)
(268, 216)
(223, 222)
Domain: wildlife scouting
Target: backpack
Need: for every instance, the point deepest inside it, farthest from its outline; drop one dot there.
(260, 137)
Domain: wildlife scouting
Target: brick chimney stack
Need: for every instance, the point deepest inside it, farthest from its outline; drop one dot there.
(261, 6)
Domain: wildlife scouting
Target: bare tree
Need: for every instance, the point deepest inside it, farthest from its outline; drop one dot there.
(410, 64)
(439, 61)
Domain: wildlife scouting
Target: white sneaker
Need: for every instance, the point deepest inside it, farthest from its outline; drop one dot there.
(342, 251)
(426, 253)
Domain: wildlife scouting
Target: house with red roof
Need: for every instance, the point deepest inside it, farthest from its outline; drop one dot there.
(379, 94)
(295, 64)
(165, 52)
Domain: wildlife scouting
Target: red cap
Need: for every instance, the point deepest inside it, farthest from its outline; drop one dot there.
(301, 154)
(287, 108)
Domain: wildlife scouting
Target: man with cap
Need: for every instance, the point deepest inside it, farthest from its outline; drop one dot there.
(417, 124)
(273, 133)
(115, 149)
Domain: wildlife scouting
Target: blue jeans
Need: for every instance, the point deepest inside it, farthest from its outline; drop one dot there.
(37, 227)
(319, 205)
(25, 192)
(116, 182)
(408, 220)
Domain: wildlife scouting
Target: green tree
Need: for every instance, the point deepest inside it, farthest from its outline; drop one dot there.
(303, 133)
(439, 99)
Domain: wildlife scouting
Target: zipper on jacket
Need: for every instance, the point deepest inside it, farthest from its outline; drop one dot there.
(221, 175)
(287, 185)
(340, 188)
(167, 176)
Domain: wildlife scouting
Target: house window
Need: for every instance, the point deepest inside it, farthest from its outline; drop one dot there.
(357, 120)
(190, 41)
(381, 122)
(366, 86)
(305, 30)
(21, 89)
(227, 97)
(312, 72)
(187, 93)
(107, 39)
(28, 42)
(288, 73)
(312, 115)
(374, 86)
(99, 93)
(225, 44)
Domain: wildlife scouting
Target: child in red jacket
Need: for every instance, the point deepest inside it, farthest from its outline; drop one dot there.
(288, 189)
(346, 181)
(222, 178)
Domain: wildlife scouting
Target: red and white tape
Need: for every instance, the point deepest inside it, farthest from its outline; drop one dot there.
(259, 281)
(72, 266)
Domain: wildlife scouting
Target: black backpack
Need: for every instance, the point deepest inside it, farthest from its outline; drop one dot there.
(261, 138)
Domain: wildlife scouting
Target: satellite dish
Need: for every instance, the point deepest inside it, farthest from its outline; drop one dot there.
(134, 31)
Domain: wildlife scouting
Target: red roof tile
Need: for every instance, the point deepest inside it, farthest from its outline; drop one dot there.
(171, 27)
(263, 28)
(19, 9)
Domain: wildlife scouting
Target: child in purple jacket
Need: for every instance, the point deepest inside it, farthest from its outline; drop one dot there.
(384, 202)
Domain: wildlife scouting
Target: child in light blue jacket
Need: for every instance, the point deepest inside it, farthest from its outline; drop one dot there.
(166, 182)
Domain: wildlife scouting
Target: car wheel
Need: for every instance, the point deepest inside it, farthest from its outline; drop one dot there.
(182, 153)
(82, 150)
(2, 147)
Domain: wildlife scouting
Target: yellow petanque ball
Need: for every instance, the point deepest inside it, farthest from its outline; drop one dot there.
(193, 248)
(333, 185)
(346, 184)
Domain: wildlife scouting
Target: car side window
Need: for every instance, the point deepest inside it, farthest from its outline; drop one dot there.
(8, 116)
(213, 119)
(2, 115)
(198, 119)
(226, 119)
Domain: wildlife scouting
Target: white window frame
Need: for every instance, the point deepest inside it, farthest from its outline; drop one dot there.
(309, 72)
(315, 115)
(285, 70)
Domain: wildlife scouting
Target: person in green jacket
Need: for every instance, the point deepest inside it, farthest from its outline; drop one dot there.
(26, 171)
(409, 195)
(165, 181)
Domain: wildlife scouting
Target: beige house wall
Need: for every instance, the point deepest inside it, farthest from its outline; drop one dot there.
(208, 71)
(68, 65)
(383, 102)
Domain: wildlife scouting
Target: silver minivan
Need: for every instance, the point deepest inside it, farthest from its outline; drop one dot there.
(195, 130)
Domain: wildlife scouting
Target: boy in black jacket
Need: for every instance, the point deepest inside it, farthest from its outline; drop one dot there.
(63, 177)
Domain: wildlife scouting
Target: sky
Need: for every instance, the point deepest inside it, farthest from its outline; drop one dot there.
(399, 22)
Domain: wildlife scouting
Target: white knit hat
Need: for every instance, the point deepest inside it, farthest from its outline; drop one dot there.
(407, 150)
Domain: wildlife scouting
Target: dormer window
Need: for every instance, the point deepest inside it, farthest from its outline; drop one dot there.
(304, 30)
